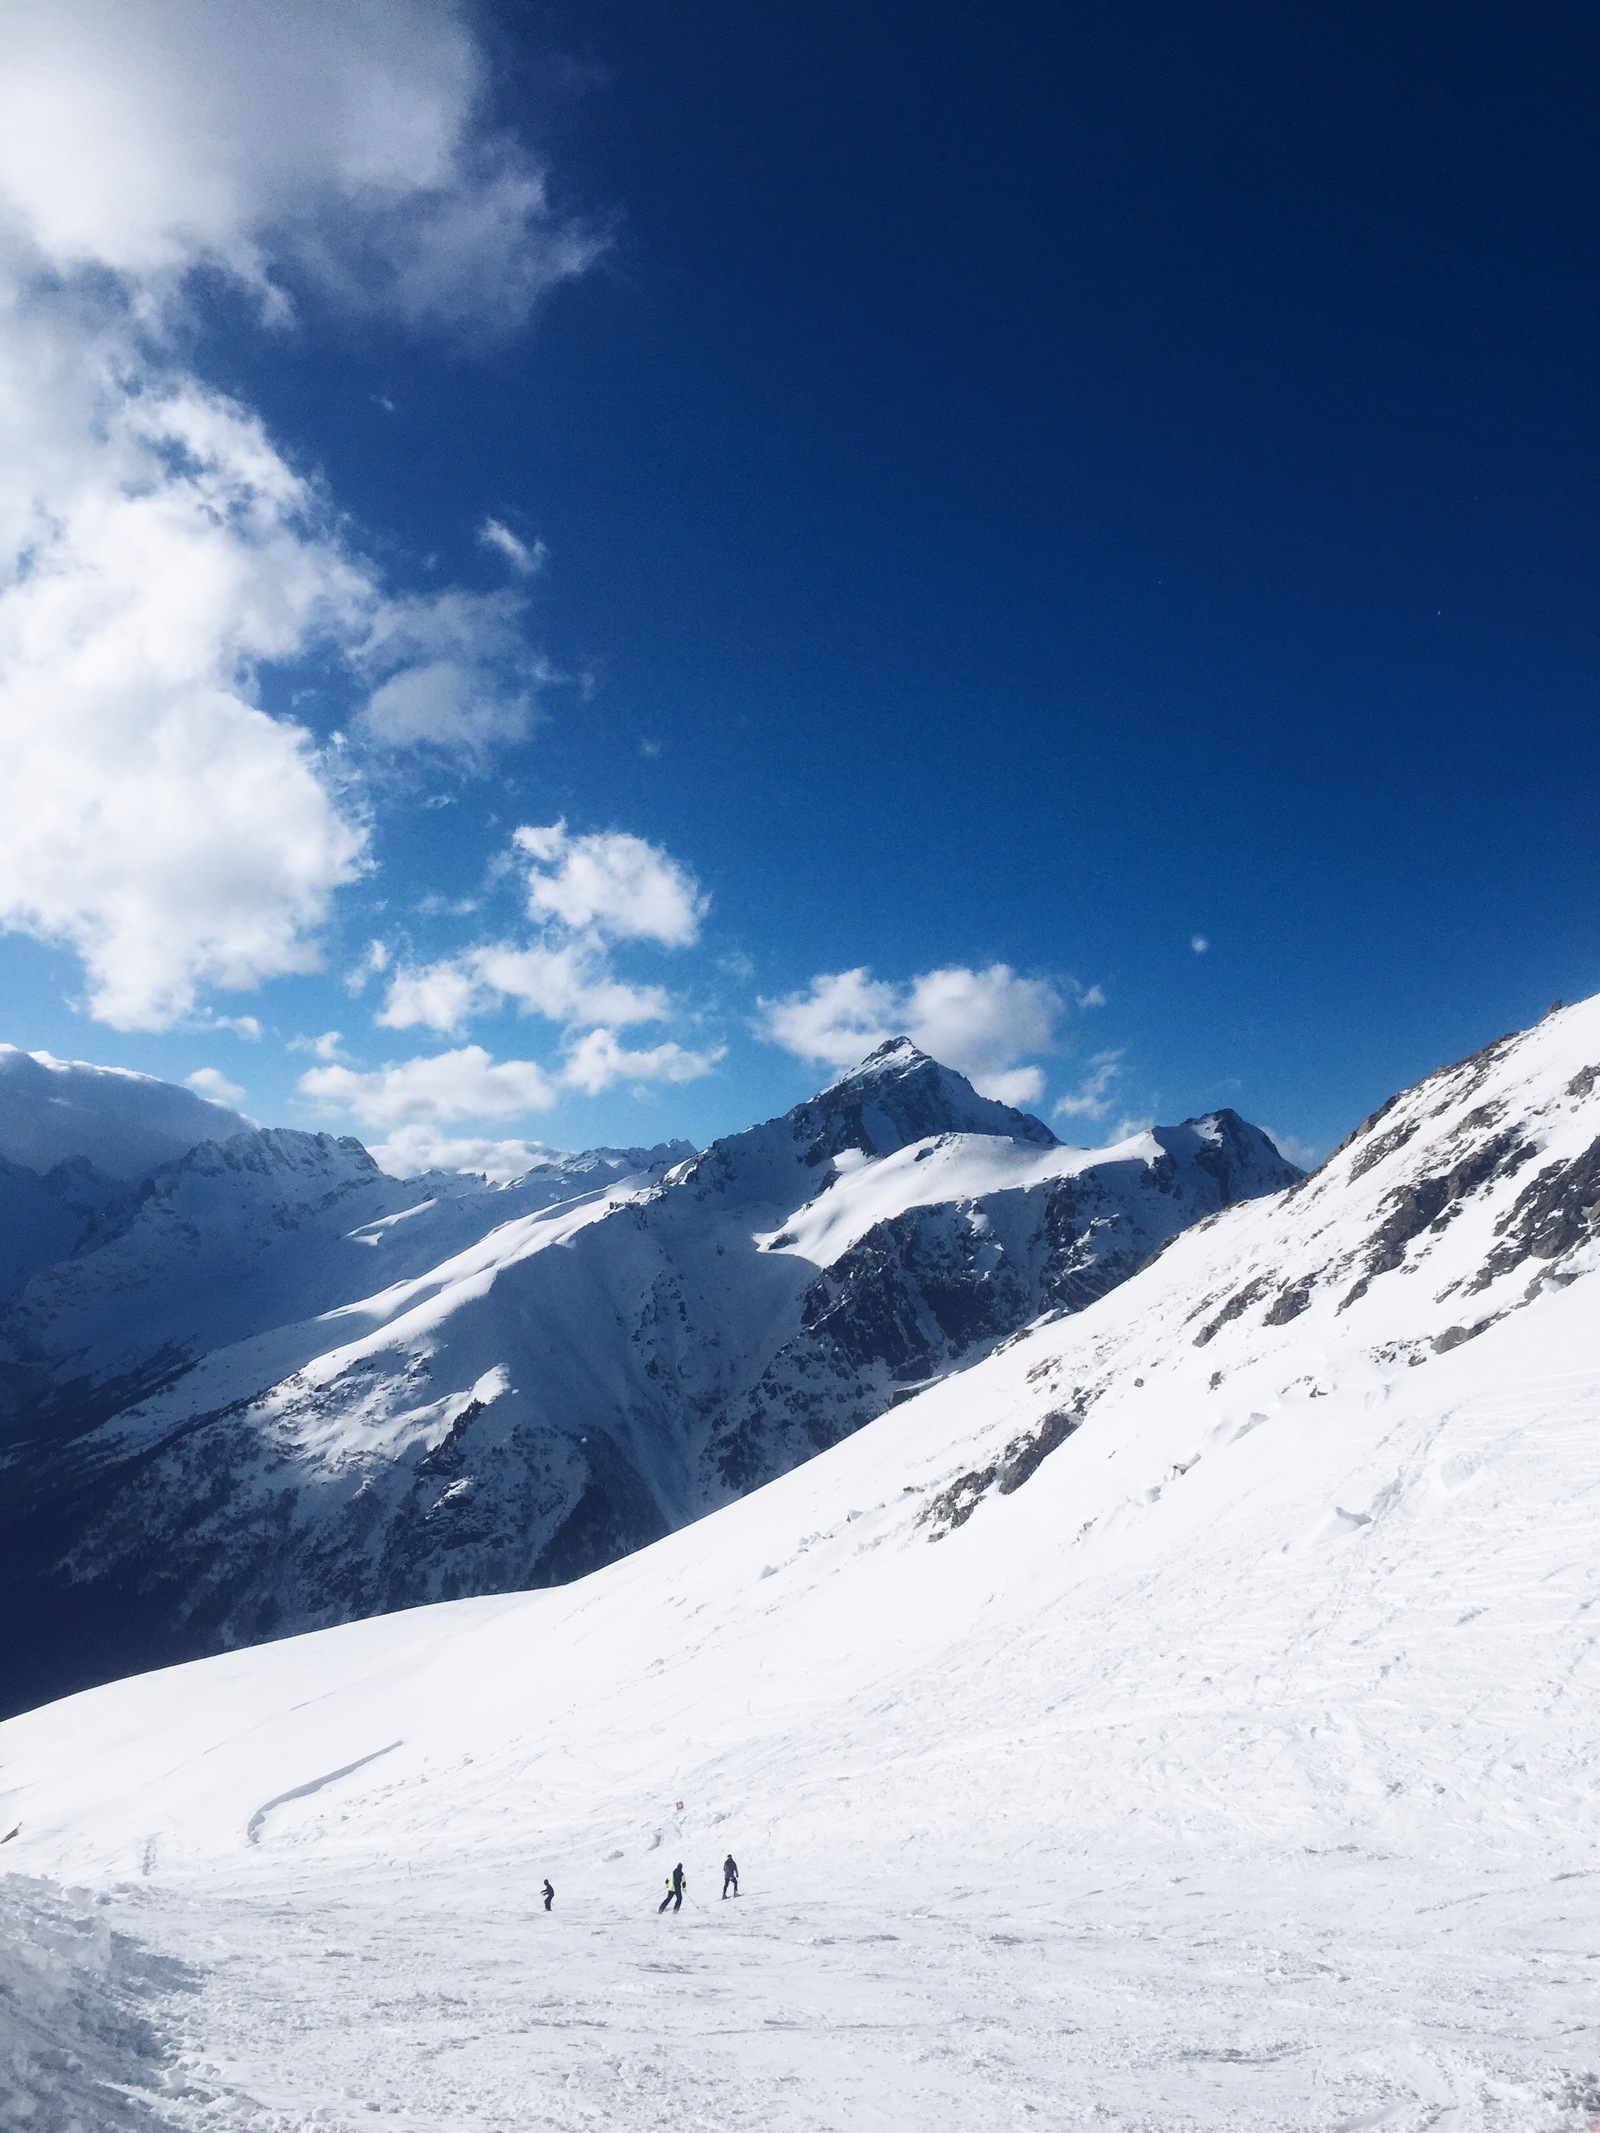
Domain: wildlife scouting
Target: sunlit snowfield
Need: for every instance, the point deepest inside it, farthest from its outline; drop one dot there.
(1239, 1769)
(1170, 1986)
(1322, 1858)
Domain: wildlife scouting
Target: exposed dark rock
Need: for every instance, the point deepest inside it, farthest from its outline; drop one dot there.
(1025, 1455)
(1235, 1307)
(1555, 1213)
(1457, 1336)
(1288, 1304)
(1385, 1144)
(1017, 1464)
(1432, 1202)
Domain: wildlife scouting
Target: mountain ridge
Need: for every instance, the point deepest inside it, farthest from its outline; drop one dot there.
(284, 1388)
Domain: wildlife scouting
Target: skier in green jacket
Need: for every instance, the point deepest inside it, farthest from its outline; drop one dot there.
(676, 1885)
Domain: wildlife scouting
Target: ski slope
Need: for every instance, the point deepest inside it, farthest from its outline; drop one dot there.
(1185, 1718)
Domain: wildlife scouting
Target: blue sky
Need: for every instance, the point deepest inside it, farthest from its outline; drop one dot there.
(610, 556)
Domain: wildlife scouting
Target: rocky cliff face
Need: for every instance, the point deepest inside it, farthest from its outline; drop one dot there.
(276, 1389)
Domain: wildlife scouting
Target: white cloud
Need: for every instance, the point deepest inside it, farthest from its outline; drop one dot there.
(469, 1084)
(621, 886)
(568, 983)
(154, 552)
(1091, 1098)
(457, 674)
(600, 1059)
(437, 996)
(982, 1022)
(373, 964)
(211, 1082)
(410, 1150)
(525, 561)
(586, 892)
(329, 1046)
(466, 1083)
(158, 553)
(334, 144)
(1013, 1085)
(1199, 943)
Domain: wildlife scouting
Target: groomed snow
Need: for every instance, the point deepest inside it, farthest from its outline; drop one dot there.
(1237, 1770)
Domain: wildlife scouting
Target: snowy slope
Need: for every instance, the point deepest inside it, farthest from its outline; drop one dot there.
(216, 1437)
(1183, 1718)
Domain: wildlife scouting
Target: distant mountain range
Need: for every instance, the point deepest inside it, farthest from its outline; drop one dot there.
(255, 1385)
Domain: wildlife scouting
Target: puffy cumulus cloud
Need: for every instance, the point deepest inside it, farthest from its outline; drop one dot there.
(620, 885)
(587, 893)
(982, 1022)
(1092, 1097)
(336, 144)
(470, 1084)
(600, 1059)
(567, 983)
(155, 552)
(211, 1082)
(466, 1083)
(158, 552)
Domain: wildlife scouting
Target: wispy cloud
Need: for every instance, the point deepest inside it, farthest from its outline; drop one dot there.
(526, 561)
(1092, 1097)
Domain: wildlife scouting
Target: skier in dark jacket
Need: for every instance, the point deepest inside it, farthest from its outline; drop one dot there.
(730, 1875)
(548, 1893)
(675, 1888)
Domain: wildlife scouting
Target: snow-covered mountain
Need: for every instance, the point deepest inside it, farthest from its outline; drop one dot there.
(73, 1139)
(1182, 1717)
(122, 1124)
(278, 1388)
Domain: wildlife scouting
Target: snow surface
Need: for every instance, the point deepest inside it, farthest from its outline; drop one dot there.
(1234, 1765)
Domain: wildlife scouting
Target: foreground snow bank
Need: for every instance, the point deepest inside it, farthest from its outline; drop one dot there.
(78, 2052)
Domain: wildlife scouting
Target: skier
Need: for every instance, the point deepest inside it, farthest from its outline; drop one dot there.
(548, 1893)
(675, 1888)
(730, 1875)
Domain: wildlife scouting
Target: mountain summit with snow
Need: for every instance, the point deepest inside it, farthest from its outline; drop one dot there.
(275, 1388)
(1183, 1716)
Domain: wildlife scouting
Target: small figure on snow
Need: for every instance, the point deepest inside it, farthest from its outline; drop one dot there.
(730, 1875)
(548, 1893)
(676, 1885)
